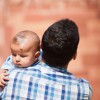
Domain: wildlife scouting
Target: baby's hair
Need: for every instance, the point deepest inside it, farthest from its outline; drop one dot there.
(21, 37)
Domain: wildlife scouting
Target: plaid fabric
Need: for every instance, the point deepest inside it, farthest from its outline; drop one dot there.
(42, 82)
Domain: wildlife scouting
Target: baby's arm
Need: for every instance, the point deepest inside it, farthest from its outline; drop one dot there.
(3, 71)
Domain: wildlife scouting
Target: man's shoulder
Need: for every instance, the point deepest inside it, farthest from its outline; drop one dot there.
(84, 82)
(80, 81)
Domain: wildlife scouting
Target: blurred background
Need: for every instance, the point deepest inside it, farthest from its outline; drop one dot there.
(37, 15)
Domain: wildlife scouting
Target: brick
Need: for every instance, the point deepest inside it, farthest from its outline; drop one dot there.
(91, 59)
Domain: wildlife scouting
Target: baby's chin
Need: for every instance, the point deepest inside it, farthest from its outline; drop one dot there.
(20, 66)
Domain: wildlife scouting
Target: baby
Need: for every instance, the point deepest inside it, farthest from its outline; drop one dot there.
(25, 49)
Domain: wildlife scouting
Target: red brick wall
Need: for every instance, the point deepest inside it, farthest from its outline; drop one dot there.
(37, 15)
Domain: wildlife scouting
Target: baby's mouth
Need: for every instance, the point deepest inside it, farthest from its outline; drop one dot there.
(18, 64)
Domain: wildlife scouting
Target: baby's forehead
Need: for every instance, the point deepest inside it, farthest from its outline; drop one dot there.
(24, 38)
(28, 39)
(24, 41)
(22, 46)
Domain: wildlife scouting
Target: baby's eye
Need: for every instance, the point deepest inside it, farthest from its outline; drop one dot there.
(23, 56)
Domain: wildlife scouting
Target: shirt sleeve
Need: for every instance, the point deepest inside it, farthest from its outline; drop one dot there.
(0, 92)
(90, 93)
(8, 64)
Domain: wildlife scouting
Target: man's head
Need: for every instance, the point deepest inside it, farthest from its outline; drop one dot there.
(60, 42)
(25, 47)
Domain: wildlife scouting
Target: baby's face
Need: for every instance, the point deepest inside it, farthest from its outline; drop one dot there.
(22, 55)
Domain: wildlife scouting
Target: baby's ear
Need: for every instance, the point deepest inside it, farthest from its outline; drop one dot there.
(75, 55)
(37, 54)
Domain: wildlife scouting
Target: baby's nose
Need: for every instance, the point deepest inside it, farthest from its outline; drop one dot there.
(17, 58)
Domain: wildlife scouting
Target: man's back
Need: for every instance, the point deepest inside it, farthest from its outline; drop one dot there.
(42, 82)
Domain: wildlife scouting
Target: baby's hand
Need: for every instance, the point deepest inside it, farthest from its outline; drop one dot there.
(3, 78)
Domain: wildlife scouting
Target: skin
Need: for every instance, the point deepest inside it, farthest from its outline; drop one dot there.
(24, 51)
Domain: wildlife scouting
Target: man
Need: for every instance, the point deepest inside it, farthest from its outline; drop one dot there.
(50, 80)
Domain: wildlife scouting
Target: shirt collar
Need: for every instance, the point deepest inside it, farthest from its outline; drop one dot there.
(54, 69)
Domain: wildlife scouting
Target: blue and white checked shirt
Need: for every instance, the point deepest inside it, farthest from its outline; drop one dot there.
(41, 82)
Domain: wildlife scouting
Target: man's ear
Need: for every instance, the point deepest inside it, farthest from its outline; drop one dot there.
(75, 55)
(37, 54)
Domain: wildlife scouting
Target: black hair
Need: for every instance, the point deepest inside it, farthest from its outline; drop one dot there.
(60, 42)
